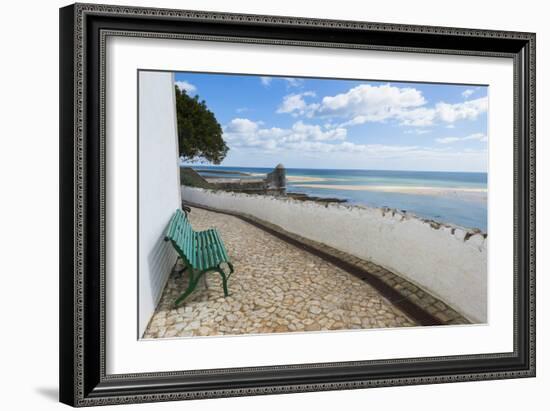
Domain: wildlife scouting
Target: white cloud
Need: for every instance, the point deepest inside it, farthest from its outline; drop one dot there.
(470, 110)
(468, 92)
(250, 139)
(418, 117)
(476, 136)
(396, 155)
(445, 112)
(349, 148)
(308, 138)
(188, 87)
(290, 81)
(371, 103)
(418, 131)
(295, 104)
(242, 125)
(242, 132)
(301, 131)
(294, 82)
(266, 81)
(368, 103)
(447, 140)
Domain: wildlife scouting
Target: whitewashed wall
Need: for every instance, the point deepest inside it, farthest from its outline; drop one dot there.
(159, 193)
(439, 260)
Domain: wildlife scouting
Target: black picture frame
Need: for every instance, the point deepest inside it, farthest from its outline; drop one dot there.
(83, 29)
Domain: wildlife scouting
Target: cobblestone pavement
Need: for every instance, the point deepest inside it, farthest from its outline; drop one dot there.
(276, 287)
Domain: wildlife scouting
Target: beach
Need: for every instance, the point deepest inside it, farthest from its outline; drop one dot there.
(447, 197)
(457, 192)
(307, 179)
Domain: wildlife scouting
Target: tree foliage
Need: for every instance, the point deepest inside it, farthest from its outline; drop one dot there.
(199, 133)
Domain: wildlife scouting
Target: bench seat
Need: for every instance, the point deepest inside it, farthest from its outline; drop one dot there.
(200, 251)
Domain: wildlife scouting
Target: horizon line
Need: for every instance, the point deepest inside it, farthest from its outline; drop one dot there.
(318, 168)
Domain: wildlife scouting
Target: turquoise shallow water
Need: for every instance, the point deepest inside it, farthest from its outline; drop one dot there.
(467, 211)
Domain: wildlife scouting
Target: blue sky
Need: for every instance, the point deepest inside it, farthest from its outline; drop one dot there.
(325, 123)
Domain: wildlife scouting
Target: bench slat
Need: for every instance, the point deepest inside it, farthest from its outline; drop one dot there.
(198, 253)
(206, 250)
(214, 249)
(209, 250)
(190, 242)
(216, 246)
(202, 250)
(221, 246)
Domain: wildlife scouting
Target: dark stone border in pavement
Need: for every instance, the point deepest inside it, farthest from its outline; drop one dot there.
(417, 303)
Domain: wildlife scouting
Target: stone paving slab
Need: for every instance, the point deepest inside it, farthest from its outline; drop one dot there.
(276, 287)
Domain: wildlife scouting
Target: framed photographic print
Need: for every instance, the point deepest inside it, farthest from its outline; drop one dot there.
(261, 204)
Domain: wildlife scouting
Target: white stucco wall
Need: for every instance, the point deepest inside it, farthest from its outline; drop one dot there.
(159, 193)
(439, 260)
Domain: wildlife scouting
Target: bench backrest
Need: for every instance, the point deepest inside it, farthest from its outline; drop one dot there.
(181, 235)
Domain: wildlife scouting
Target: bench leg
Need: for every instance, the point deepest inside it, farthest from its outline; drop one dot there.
(224, 280)
(190, 289)
(193, 280)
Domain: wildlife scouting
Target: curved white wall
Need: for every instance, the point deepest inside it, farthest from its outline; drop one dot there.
(441, 260)
(159, 193)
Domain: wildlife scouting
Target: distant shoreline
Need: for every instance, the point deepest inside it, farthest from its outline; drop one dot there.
(210, 171)
(443, 197)
(376, 170)
(306, 179)
(459, 192)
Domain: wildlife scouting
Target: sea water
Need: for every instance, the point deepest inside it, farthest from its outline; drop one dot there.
(413, 190)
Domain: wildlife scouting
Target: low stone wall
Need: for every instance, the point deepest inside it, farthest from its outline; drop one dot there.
(274, 183)
(449, 262)
(242, 185)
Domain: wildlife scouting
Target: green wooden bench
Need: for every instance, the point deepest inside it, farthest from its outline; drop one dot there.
(201, 252)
